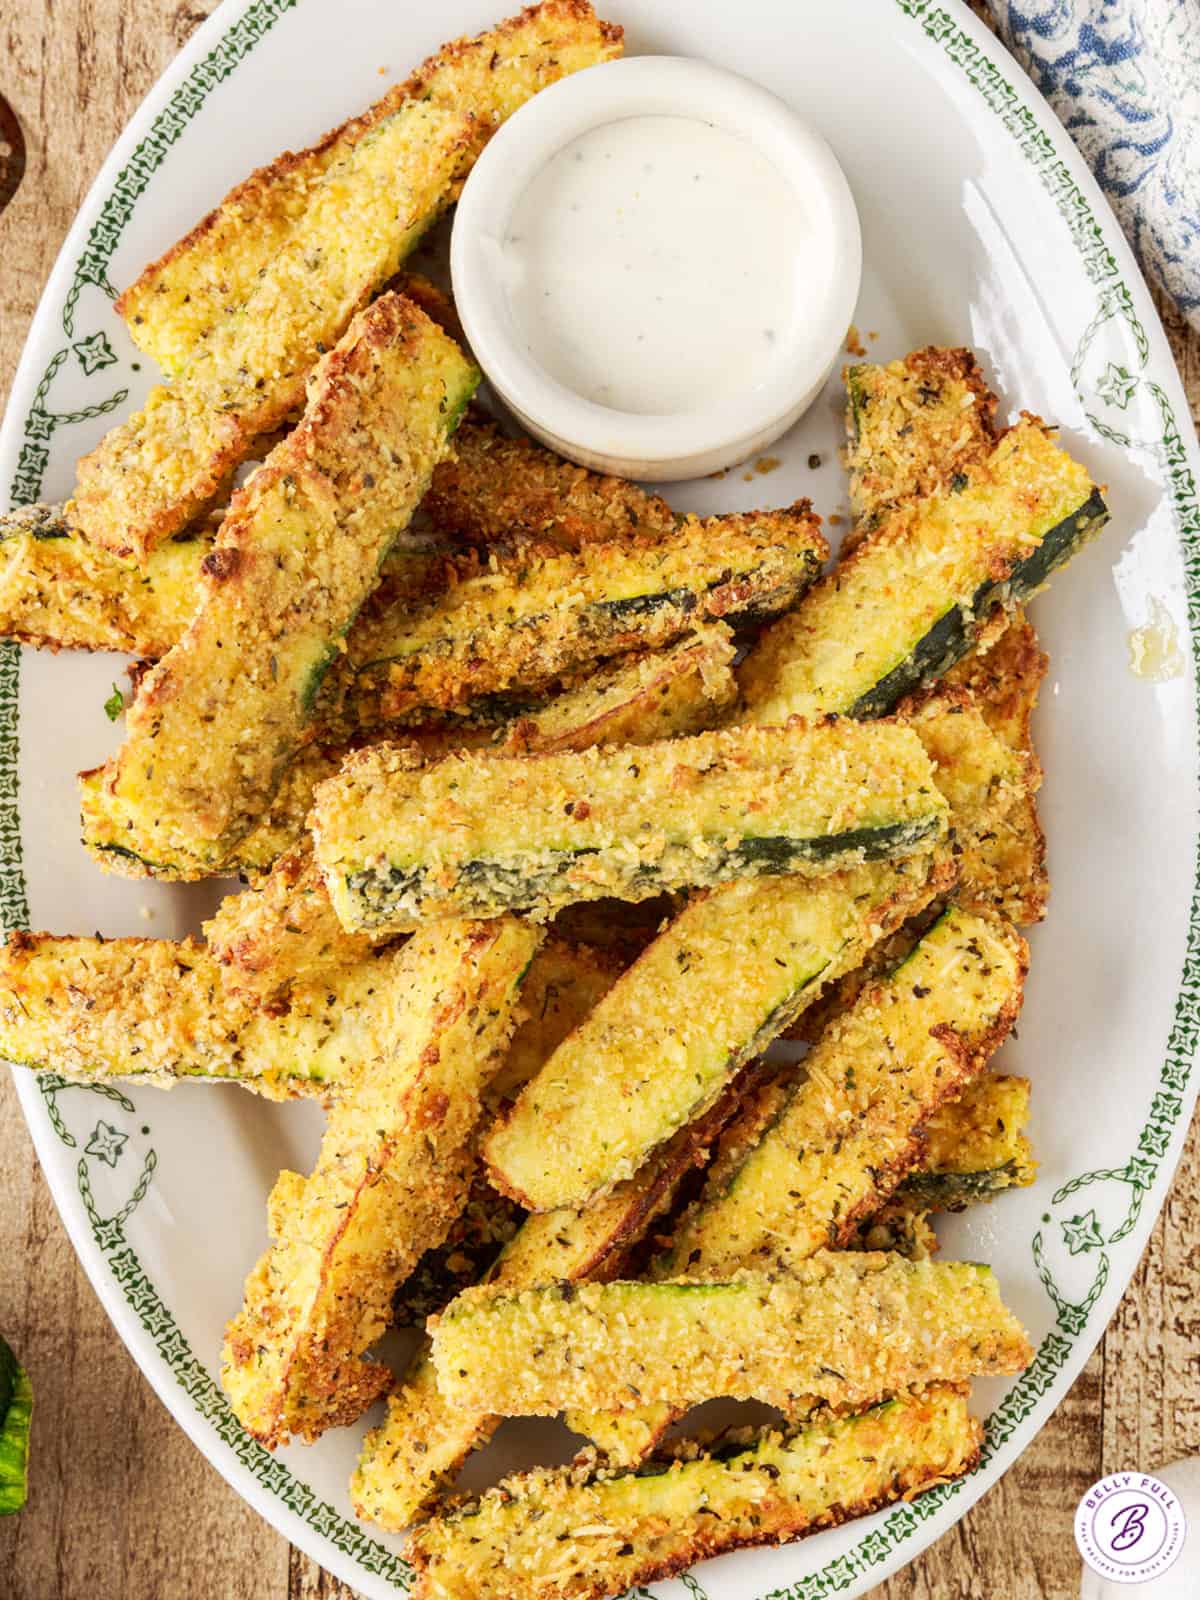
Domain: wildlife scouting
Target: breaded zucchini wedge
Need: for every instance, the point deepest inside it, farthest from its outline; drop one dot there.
(152, 473)
(425, 1438)
(562, 985)
(60, 593)
(638, 698)
(155, 1011)
(578, 1534)
(754, 1337)
(496, 488)
(286, 931)
(215, 723)
(986, 785)
(906, 604)
(539, 614)
(393, 1172)
(975, 1147)
(174, 305)
(911, 426)
(850, 1127)
(705, 997)
(1004, 682)
(541, 832)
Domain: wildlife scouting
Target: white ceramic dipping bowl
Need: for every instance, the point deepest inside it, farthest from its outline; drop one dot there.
(740, 421)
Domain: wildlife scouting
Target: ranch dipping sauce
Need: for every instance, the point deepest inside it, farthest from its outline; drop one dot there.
(658, 265)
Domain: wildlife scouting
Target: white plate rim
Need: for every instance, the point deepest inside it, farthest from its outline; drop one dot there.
(144, 1323)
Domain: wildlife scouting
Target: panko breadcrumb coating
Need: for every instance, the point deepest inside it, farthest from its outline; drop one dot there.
(394, 1169)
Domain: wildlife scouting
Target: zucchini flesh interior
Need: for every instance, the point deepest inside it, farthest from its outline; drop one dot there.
(393, 1172)
(60, 593)
(178, 299)
(851, 1125)
(775, 1339)
(911, 426)
(540, 833)
(153, 1010)
(991, 540)
(706, 996)
(215, 723)
(522, 1540)
(539, 614)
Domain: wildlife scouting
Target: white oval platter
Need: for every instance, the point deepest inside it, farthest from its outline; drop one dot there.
(981, 226)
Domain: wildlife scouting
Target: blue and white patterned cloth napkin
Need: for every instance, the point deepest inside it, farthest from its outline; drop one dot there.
(1124, 76)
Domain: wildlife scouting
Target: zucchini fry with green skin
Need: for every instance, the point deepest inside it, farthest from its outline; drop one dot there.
(911, 426)
(908, 602)
(393, 1172)
(497, 488)
(812, 1154)
(286, 930)
(539, 833)
(754, 1337)
(851, 1127)
(215, 723)
(637, 698)
(539, 614)
(179, 299)
(154, 1011)
(704, 999)
(975, 1147)
(425, 1438)
(151, 474)
(60, 593)
(579, 1534)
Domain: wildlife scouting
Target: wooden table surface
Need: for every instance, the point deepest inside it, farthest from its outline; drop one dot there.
(121, 1504)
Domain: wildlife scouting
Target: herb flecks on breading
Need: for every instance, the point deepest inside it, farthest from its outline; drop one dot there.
(217, 720)
(400, 843)
(580, 1534)
(722, 980)
(207, 275)
(848, 1328)
(394, 1168)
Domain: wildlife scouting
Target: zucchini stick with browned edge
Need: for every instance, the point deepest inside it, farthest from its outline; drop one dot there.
(578, 1534)
(176, 302)
(394, 1169)
(215, 723)
(425, 1438)
(722, 980)
(848, 1328)
(155, 1011)
(909, 601)
(538, 614)
(285, 931)
(400, 842)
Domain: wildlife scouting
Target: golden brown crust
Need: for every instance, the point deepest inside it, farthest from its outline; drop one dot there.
(209, 271)
(498, 488)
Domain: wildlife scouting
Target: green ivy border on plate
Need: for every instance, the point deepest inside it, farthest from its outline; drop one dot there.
(1112, 392)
